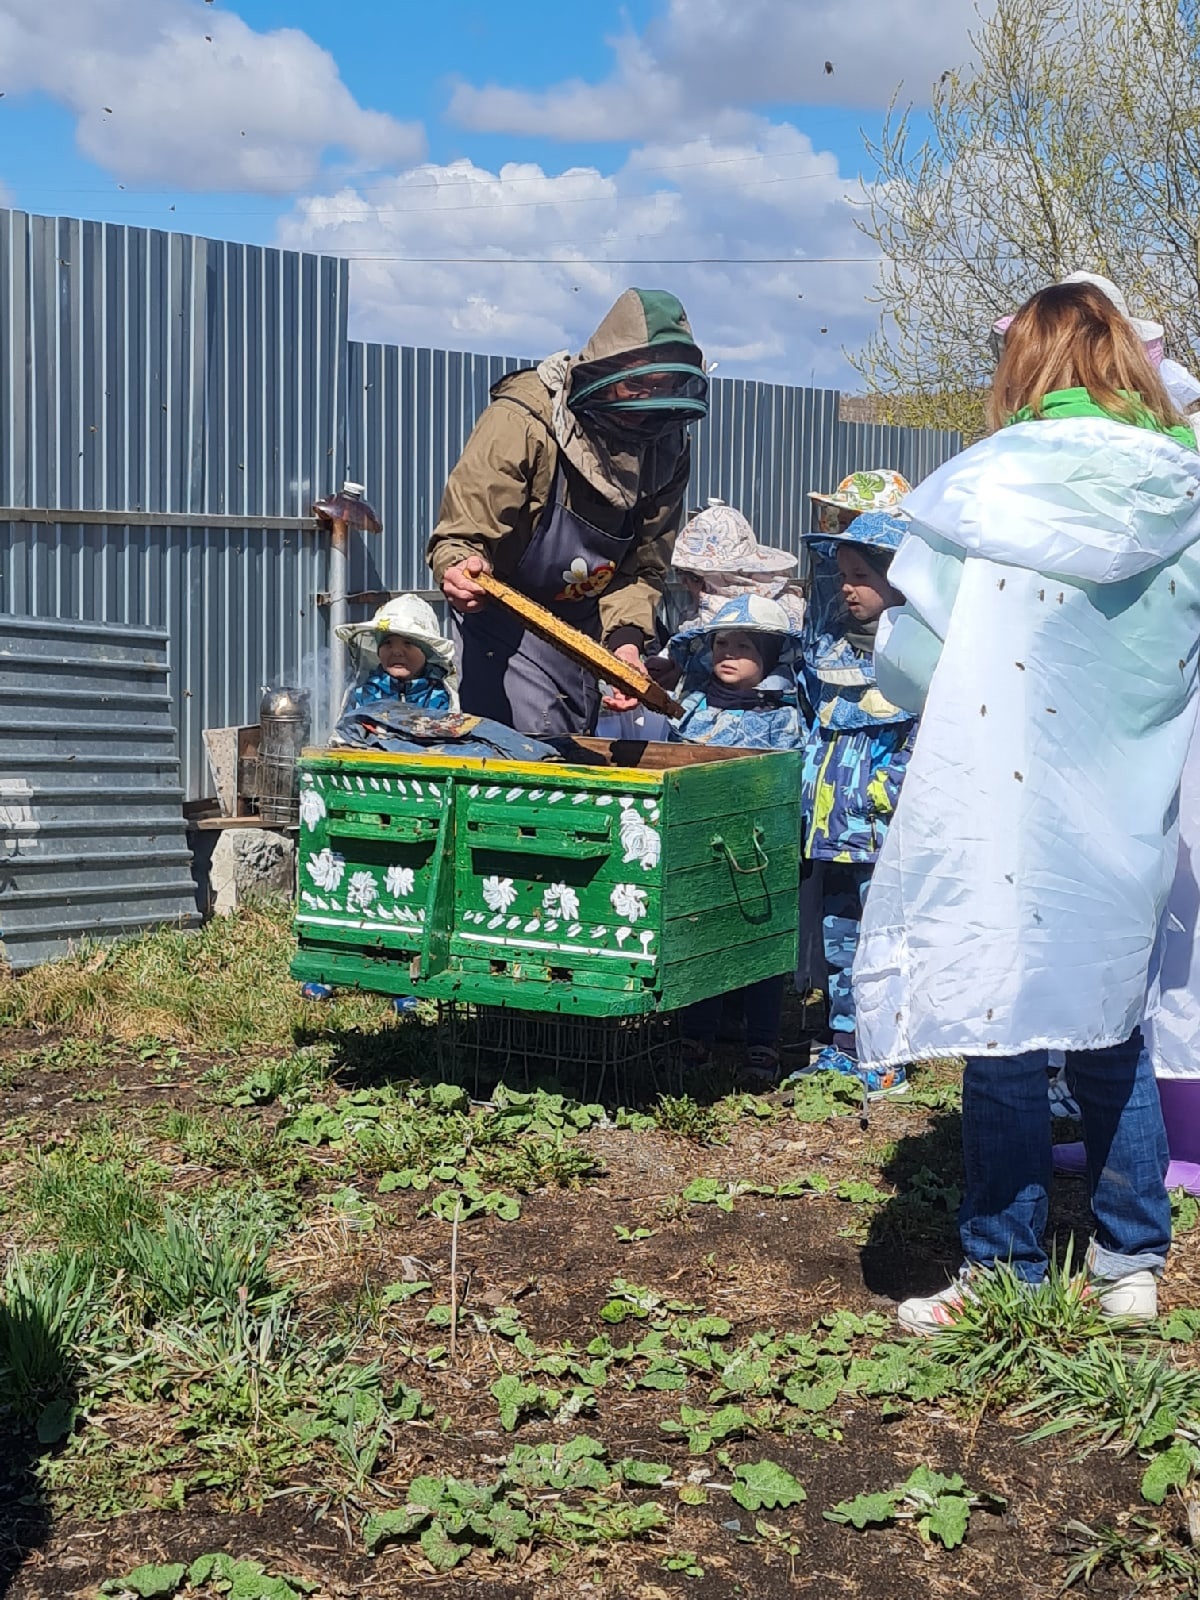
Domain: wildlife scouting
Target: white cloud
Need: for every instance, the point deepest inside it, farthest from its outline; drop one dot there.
(766, 194)
(180, 93)
(706, 57)
(7, 196)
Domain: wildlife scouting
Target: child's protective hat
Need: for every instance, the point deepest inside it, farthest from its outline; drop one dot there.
(720, 539)
(1149, 333)
(745, 613)
(878, 530)
(409, 618)
(877, 490)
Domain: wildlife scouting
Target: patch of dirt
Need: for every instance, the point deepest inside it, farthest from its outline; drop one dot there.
(767, 1263)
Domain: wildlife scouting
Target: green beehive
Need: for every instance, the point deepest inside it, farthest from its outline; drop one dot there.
(599, 889)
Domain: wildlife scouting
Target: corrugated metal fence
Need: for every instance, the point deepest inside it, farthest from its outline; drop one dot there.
(170, 407)
(92, 841)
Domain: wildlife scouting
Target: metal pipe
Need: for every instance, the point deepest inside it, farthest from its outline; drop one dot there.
(339, 577)
(342, 512)
(130, 517)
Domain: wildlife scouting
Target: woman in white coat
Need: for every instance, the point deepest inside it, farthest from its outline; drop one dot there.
(1049, 641)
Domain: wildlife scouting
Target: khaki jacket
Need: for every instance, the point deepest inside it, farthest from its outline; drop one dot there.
(498, 491)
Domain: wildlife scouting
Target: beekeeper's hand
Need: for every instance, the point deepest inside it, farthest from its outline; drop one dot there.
(459, 586)
(617, 699)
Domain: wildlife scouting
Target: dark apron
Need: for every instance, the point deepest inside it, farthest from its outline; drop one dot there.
(510, 674)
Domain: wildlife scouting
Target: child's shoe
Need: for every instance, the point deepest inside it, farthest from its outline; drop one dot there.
(876, 1081)
(1062, 1102)
(926, 1316)
(1133, 1298)
(761, 1068)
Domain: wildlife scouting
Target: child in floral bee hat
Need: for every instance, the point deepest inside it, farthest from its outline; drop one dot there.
(717, 557)
(879, 489)
(401, 654)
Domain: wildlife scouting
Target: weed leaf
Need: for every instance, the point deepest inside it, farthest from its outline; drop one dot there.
(766, 1486)
(1171, 1470)
(151, 1582)
(864, 1510)
(440, 1550)
(948, 1520)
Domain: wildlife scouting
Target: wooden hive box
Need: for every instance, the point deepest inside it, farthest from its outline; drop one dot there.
(648, 878)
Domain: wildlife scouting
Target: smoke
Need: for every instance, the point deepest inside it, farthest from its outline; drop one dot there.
(316, 677)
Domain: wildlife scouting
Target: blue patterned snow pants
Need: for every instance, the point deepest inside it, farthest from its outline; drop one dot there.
(844, 891)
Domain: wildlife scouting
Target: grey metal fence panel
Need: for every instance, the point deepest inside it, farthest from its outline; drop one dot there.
(151, 372)
(92, 839)
(148, 372)
(763, 448)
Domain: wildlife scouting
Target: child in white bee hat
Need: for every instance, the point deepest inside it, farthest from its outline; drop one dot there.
(401, 654)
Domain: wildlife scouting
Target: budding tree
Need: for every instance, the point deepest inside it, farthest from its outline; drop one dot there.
(1072, 142)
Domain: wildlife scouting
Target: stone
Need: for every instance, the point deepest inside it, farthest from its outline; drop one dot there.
(251, 864)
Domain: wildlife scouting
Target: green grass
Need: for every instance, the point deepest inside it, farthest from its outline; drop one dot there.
(1008, 1331)
(225, 987)
(45, 1302)
(241, 1292)
(87, 1206)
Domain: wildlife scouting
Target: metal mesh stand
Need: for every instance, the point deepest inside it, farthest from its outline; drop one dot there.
(617, 1060)
(278, 799)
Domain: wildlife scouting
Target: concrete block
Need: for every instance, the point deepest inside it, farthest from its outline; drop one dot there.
(251, 864)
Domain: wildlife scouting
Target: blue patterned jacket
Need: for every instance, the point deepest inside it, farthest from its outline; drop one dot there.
(775, 725)
(428, 691)
(858, 745)
(850, 782)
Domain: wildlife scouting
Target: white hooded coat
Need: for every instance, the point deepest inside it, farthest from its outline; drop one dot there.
(1049, 641)
(1173, 1028)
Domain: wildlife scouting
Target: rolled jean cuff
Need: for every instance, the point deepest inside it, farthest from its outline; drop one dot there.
(1102, 1263)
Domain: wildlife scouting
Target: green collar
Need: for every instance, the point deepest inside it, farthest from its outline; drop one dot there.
(1079, 403)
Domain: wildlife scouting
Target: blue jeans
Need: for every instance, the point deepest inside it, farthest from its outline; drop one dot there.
(763, 1003)
(843, 895)
(1006, 1155)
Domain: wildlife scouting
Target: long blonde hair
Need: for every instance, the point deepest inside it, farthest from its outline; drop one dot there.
(1070, 336)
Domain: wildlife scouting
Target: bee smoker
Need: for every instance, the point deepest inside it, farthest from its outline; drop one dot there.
(284, 718)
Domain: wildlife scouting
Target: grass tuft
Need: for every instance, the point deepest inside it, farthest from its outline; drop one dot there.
(1009, 1330)
(44, 1304)
(226, 986)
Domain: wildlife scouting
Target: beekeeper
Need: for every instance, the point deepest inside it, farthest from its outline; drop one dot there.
(571, 488)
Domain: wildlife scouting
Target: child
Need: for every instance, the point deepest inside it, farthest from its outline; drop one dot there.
(404, 657)
(1052, 583)
(739, 690)
(855, 755)
(718, 557)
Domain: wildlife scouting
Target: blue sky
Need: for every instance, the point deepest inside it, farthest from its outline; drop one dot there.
(479, 133)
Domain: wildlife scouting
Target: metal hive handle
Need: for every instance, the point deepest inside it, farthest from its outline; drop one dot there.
(761, 858)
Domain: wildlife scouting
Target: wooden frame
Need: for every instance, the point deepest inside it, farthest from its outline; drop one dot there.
(585, 652)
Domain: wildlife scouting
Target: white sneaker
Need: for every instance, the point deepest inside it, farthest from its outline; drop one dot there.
(1133, 1297)
(1062, 1102)
(925, 1317)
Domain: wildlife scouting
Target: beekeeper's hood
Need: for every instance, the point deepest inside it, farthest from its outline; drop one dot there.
(409, 618)
(1081, 497)
(623, 404)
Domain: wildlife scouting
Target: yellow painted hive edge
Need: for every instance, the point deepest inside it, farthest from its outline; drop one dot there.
(625, 777)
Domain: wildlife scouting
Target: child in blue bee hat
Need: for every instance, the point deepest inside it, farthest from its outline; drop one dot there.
(855, 755)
